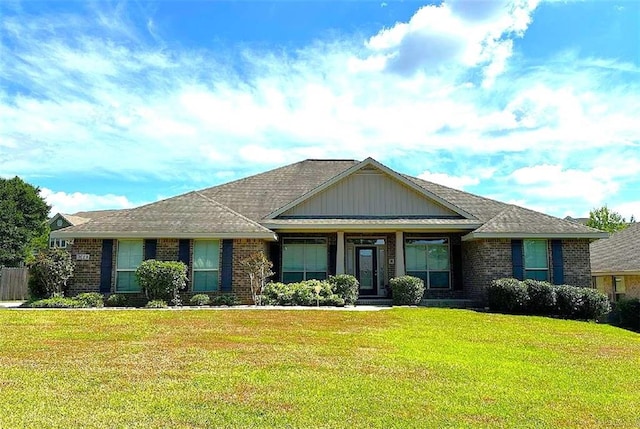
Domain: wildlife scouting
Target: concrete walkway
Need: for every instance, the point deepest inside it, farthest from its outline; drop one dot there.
(10, 304)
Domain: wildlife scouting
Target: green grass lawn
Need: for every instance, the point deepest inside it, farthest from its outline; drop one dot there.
(397, 368)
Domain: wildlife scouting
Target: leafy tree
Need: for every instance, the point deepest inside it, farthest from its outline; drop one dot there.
(23, 218)
(607, 220)
(50, 273)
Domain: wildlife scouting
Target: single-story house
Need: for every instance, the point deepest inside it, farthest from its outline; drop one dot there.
(317, 218)
(615, 263)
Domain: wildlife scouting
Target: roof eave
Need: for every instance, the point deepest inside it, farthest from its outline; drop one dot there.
(634, 272)
(523, 235)
(369, 227)
(271, 236)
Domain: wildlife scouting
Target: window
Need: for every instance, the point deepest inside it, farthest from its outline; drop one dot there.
(304, 259)
(536, 259)
(57, 242)
(128, 259)
(206, 263)
(428, 259)
(619, 288)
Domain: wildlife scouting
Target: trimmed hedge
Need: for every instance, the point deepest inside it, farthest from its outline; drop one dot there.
(117, 300)
(162, 280)
(628, 314)
(83, 300)
(508, 296)
(336, 291)
(406, 290)
(346, 287)
(513, 296)
(199, 300)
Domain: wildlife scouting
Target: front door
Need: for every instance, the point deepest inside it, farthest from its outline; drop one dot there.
(366, 270)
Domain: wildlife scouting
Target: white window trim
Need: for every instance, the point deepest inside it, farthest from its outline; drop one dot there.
(126, 270)
(304, 269)
(202, 270)
(525, 268)
(428, 271)
(57, 243)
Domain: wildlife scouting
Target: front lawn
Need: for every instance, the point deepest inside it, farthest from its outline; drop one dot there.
(276, 368)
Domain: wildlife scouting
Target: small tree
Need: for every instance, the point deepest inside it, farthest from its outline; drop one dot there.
(258, 269)
(50, 273)
(607, 220)
(162, 280)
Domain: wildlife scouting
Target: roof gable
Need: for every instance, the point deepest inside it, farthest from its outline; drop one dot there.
(369, 189)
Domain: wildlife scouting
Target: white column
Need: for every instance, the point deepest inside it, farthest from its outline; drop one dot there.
(340, 253)
(399, 253)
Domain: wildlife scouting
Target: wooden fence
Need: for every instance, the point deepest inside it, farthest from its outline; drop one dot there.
(14, 284)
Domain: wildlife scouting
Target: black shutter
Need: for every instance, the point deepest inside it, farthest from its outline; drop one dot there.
(456, 266)
(556, 261)
(333, 252)
(516, 258)
(106, 265)
(150, 247)
(227, 266)
(183, 251)
(274, 257)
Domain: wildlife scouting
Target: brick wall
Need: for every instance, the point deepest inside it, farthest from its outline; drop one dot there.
(576, 262)
(482, 262)
(86, 275)
(242, 249)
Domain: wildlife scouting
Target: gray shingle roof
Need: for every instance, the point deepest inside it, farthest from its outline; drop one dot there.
(257, 196)
(619, 253)
(240, 206)
(181, 216)
(514, 219)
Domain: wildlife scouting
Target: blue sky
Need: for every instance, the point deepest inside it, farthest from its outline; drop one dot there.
(116, 104)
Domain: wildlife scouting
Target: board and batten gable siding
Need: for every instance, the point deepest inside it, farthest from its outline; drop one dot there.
(369, 193)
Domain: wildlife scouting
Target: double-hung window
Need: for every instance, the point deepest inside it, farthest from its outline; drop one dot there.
(536, 259)
(129, 258)
(304, 259)
(428, 259)
(206, 265)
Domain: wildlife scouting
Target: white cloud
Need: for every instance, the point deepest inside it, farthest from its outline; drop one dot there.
(628, 209)
(456, 33)
(88, 96)
(69, 203)
(457, 182)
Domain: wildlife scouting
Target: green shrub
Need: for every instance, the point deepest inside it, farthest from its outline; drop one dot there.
(276, 293)
(162, 280)
(117, 300)
(569, 301)
(49, 273)
(542, 297)
(346, 287)
(406, 290)
(628, 314)
(57, 301)
(595, 305)
(226, 299)
(507, 295)
(156, 303)
(301, 293)
(90, 299)
(334, 300)
(200, 299)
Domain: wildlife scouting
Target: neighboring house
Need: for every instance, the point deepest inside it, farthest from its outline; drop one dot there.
(615, 263)
(61, 220)
(316, 218)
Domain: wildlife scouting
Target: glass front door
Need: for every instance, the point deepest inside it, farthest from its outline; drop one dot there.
(366, 270)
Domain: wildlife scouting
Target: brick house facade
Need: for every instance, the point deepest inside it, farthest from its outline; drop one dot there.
(318, 218)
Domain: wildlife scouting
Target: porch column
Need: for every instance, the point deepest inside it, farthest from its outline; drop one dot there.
(399, 253)
(340, 253)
